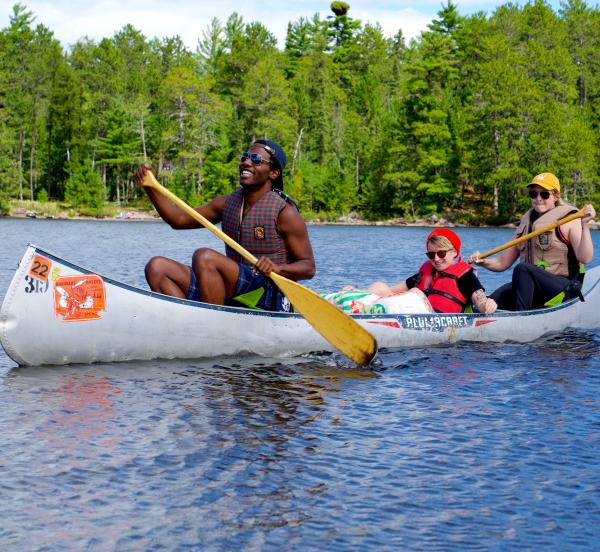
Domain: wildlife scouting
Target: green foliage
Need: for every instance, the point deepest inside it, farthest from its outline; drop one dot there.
(4, 204)
(211, 48)
(340, 8)
(458, 119)
(84, 188)
(219, 174)
(182, 185)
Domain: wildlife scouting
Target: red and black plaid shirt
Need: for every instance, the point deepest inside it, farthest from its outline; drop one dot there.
(258, 230)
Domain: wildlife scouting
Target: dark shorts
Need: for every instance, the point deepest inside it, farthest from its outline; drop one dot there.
(253, 290)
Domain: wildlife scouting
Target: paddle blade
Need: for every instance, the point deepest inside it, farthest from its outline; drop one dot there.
(344, 333)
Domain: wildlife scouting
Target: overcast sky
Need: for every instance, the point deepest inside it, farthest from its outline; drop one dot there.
(74, 19)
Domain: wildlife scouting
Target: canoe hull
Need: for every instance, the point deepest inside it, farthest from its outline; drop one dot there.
(55, 312)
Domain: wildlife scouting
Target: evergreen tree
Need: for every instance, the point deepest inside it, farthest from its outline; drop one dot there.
(211, 48)
(28, 61)
(117, 151)
(84, 188)
(464, 114)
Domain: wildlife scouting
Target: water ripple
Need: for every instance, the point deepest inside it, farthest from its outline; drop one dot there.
(463, 447)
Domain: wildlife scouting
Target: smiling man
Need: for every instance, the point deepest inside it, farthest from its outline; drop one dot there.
(261, 218)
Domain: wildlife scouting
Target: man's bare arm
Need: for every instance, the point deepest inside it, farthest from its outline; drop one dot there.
(292, 229)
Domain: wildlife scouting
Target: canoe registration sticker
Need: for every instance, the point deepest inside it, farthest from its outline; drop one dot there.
(79, 298)
(40, 268)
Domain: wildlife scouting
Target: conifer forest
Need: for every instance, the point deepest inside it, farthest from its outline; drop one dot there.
(457, 120)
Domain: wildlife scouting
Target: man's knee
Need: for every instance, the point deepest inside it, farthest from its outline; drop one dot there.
(504, 297)
(156, 266)
(206, 261)
(205, 258)
(214, 270)
(167, 276)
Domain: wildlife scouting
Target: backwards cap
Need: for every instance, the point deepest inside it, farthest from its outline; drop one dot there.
(278, 155)
(451, 236)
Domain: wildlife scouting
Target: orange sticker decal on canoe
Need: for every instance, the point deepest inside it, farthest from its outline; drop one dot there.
(79, 298)
(40, 268)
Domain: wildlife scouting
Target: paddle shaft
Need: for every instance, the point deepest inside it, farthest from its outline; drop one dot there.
(151, 182)
(516, 241)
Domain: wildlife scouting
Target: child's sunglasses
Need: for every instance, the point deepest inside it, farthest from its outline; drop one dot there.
(441, 254)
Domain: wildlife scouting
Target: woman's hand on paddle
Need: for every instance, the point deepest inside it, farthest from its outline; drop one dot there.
(474, 259)
(589, 212)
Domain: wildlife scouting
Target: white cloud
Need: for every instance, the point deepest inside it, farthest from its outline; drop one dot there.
(412, 22)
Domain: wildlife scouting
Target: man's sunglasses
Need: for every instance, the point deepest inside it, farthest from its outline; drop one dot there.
(256, 158)
(441, 253)
(544, 194)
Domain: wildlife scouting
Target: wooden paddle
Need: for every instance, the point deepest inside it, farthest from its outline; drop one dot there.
(578, 214)
(344, 333)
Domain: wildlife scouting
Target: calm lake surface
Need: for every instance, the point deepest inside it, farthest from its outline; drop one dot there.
(460, 447)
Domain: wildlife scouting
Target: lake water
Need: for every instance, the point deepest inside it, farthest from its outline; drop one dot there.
(459, 447)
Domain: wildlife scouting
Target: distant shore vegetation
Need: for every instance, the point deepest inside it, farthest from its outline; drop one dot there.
(452, 124)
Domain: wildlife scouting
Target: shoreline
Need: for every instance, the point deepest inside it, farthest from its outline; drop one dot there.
(309, 222)
(137, 216)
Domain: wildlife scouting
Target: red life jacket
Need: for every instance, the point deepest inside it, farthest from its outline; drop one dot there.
(441, 288)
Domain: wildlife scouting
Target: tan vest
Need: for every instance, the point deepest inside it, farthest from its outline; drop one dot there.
(547, 248)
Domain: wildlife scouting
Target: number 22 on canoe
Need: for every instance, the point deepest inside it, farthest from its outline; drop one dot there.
(344, 333)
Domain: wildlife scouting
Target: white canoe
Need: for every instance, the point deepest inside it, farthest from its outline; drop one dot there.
(55, 312)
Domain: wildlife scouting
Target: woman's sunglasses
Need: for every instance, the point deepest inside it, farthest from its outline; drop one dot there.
(441, 253)
(256, 158)
(544, 194)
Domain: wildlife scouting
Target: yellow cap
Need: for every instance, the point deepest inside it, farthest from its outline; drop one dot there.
(547, 181)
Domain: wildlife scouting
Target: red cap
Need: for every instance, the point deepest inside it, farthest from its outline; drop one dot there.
(451, 236)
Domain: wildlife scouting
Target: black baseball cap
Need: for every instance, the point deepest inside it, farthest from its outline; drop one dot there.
(278, 155)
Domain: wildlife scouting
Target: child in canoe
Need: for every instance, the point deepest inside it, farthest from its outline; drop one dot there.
(444, 283)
